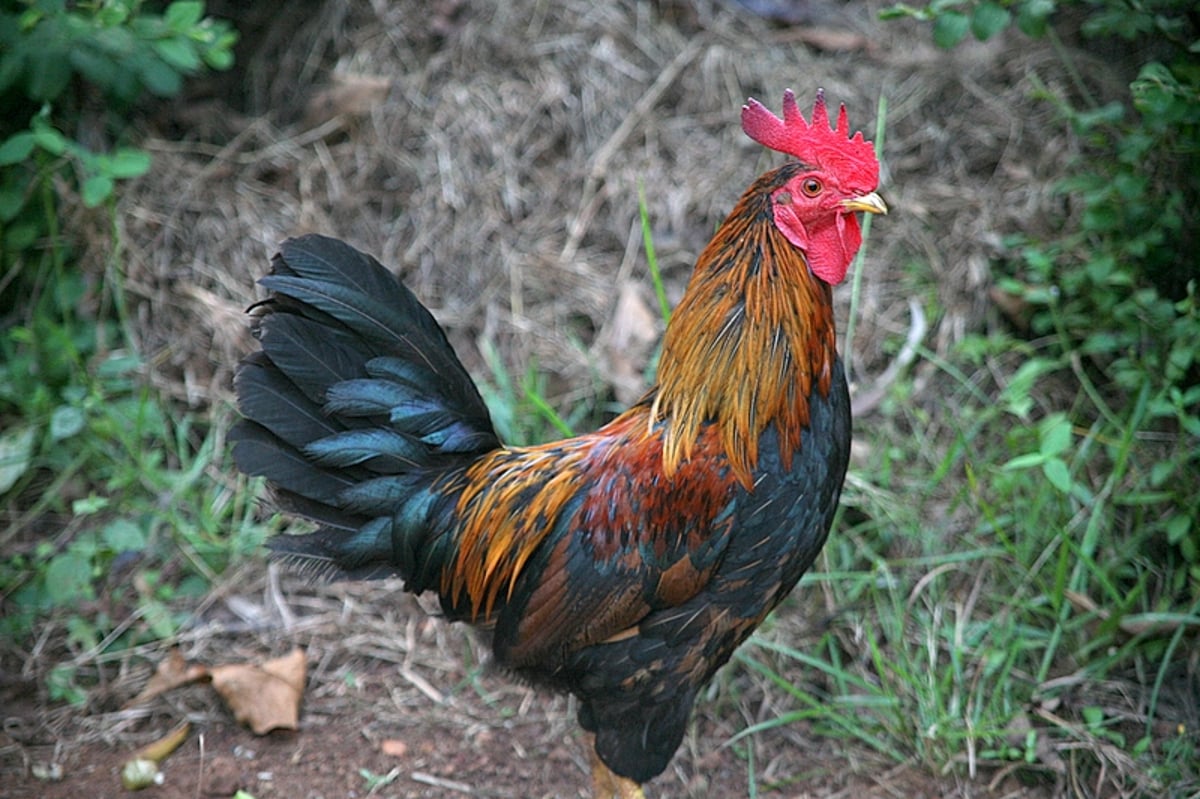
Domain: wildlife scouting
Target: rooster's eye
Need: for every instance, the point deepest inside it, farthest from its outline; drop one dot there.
(811, 187)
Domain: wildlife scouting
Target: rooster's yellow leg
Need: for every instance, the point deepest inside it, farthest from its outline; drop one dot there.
(607, 784)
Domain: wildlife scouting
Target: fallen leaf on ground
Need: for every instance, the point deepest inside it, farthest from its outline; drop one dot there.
(171, 673)
(628, 341)
(353, 95)
(264, 697)
(829, 39)
(393, 747)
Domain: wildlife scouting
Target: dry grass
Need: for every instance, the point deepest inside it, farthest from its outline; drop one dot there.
(494, 158)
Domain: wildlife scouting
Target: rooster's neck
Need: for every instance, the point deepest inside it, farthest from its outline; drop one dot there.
(750, 340)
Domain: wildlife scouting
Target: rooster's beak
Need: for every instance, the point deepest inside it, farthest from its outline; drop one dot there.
(870, 203)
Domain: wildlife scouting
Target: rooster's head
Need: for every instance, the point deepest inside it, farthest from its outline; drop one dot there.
(814, 209)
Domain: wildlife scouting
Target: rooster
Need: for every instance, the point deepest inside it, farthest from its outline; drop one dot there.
(623, 566)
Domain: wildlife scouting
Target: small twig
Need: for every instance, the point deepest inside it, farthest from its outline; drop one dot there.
(231, 153)
(421, 684)
(438, 782)
(865, 401)
(275, 594)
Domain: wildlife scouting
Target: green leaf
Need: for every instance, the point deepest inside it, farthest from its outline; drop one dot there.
(82, 632)
(989, 19)
(950, 28)
(128, 163)
(21, 237)
(69, 578)
(1056, 434)
(16, 453)
(122, 535)
(1033, 17)
(60, 684)
(11, 66)
(1024, 461)
(1178, 527)
(49, 139)
(94, 65)
(89, 505)
(158, 618)
(118, 365)
(1058, 474)
(96, 190)
(902, 11)
(113, 14)
(160, 78)
(16, 148)
(1107, 114)
(65, 422)
(1160, 471)
(183, 15)
(12, 200)
(117, 42)
(1016, 396)
(179, 53)
(48, 74)
(219, 58)
(126, 85)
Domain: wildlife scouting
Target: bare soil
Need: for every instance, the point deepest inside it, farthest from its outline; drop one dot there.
(401, 702)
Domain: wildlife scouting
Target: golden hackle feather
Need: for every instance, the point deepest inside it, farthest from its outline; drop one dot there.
(751, 335)
(511, 500)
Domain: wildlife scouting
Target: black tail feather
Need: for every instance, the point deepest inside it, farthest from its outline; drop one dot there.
(267, 396)
(355, 380)
(313, 353)
(361, 294)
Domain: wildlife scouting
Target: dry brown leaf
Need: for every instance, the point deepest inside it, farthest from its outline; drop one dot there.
(158, 750)
(267, 696)
(1155, 624)
(630, 335)
(171, 673)
(350, 95)
(393, 747)
(1014, 307)
(829, 39)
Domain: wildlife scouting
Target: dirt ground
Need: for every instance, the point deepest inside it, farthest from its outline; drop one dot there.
(394, 708)
(512, 138)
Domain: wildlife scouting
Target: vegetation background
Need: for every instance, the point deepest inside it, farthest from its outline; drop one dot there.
(1010, 603)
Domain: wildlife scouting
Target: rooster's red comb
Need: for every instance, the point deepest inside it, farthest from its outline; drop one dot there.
(834, 149)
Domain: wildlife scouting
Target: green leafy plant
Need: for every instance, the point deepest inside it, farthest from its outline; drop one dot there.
(953, 20)
(1116, 294)
(1082, 462)
(120, 47)
(132, 491)
(95, 449)
(54, 54)
(25, 155)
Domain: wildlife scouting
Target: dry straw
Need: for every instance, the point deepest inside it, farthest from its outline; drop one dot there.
(492, 155)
